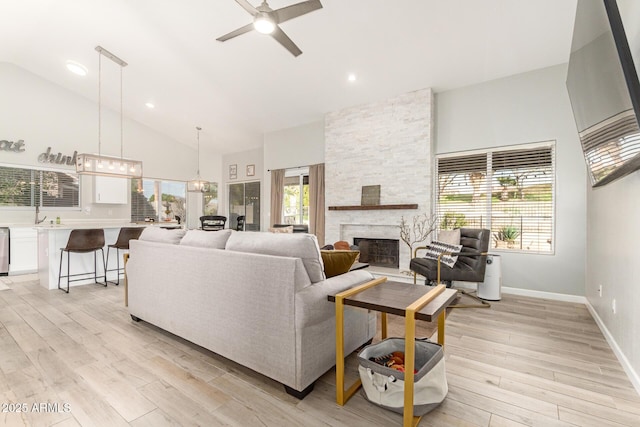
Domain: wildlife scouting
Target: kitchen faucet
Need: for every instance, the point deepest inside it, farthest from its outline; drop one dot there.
(38, 220)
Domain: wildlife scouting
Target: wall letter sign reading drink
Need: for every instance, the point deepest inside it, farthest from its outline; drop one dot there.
(17, 146)
(58, 159)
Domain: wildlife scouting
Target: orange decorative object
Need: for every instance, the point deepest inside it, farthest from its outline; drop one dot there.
(341, 245)
(399, 354)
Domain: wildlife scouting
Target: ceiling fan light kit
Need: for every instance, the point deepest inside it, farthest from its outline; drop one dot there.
(267, 20)
(263, 24)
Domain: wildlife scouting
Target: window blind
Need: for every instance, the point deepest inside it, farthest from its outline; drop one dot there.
(462, 190)
(143, 197)
(509, 191)
(22, 187)
(522, 199)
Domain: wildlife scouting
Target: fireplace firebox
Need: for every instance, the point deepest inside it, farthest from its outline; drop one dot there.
(379, 252)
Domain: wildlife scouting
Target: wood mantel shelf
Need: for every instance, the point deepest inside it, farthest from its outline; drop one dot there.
(372, 207)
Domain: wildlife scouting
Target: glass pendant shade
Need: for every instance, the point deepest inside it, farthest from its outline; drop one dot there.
(95, 164)
(198, 185)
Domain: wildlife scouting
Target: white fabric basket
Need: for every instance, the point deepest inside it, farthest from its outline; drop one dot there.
(384, 386)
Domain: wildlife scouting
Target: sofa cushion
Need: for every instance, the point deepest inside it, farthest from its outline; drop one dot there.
(207, 239)
(338, 262)
(162, 235)
(294, 245)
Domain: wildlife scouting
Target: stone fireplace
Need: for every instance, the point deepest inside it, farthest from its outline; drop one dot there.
(387, 143)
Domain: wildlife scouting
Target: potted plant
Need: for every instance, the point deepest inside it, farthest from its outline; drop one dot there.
(507, 234)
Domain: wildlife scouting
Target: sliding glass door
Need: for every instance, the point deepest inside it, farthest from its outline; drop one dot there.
(244, 199)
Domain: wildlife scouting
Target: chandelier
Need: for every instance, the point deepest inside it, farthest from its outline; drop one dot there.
(198, 185)
(98, 164)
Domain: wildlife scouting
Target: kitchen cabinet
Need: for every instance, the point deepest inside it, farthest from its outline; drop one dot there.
(24, 250)
(112, 190)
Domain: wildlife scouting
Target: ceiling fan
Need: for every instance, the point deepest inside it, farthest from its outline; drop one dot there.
(266, 20)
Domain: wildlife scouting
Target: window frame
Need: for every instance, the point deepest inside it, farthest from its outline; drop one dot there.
(42, 208)
(488, 152)
(300, 173)
(212, 185)
(157, 203)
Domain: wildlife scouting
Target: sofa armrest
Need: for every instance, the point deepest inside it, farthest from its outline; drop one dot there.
(312, 305)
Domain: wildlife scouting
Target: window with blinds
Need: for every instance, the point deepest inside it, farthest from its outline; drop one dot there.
(22, 187)
(509, 191)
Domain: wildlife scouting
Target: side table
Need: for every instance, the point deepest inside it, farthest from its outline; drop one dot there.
(402, 299)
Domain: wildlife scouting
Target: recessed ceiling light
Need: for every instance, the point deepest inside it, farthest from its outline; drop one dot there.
(352, 77)
(77, 68)
(150, 105)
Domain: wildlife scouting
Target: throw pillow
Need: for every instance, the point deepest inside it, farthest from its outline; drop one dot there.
(436, 248)
(338, 262)
(207, 239)
(451, 237)
(162, 235)
(288, 229)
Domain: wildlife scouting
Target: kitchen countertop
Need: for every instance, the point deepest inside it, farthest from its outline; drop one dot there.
(90, 224)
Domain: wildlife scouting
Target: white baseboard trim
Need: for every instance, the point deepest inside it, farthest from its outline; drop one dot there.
(529, 293)
(546, 295)
(631, 373)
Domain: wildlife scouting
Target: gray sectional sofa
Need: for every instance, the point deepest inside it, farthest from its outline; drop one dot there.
(259, 299)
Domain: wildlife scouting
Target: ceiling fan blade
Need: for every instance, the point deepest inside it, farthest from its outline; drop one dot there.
(285, 41)
(295, 10)
(247, 6)
(236, 33)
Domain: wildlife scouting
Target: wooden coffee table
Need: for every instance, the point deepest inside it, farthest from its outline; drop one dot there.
(402, 299)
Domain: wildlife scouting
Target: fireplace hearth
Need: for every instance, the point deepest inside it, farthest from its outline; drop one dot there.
(379, 252)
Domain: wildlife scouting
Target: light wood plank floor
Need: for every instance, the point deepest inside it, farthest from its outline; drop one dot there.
(523, 362)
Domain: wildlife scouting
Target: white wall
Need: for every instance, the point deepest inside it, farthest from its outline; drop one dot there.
(44, 115)
(528, 107)
(612, 261)
(289, 148)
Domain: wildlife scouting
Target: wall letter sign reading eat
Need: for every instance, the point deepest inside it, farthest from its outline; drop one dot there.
(17, 146)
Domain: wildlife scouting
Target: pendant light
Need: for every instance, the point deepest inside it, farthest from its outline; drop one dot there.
(198, 185)
(97, 164)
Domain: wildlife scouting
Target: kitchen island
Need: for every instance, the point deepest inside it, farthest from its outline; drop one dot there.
(52, 237)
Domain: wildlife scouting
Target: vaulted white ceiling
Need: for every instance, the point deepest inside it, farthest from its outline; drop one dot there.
(240, 89)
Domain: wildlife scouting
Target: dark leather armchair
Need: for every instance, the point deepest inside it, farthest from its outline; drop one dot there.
(240, 223)
(213, 222)
(470, 266)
